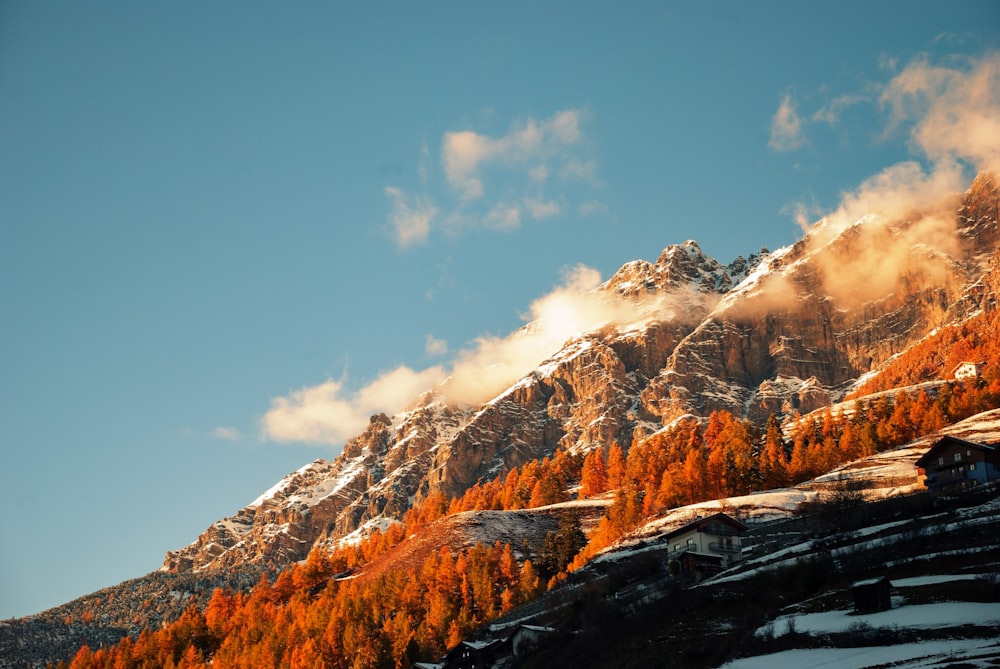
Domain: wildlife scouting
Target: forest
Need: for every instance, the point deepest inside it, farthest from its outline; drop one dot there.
(327, 612)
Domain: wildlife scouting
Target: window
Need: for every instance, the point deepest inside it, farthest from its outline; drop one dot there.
(958, 457)
(941, 460)
(972, 466)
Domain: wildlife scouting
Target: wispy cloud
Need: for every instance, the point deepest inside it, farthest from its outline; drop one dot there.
(592, 208)
(435, 347)
(831, 112)
(539, 209)
(953, 113)
(950, 116)
(330, 413)
(411, 217)
(786, 127)
(504, 216)
(495, 181)
(226, 433)
(529, 147)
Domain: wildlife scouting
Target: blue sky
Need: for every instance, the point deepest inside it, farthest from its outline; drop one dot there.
(216, 218)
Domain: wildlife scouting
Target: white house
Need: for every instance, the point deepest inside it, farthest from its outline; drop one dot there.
(966, 370)
(706, 545)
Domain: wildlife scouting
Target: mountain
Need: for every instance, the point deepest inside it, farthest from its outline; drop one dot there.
(842, 331)
(784, 333)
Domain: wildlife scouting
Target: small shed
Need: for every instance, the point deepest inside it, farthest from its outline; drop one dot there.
(872, 595)
(526, 638)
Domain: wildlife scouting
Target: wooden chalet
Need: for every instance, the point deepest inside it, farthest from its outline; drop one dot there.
(955, 464)
(474, 654)
(706, 546)
(498, 653)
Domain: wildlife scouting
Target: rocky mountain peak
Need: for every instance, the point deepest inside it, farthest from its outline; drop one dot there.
(979, 215)
(768, 337)
(681, 266)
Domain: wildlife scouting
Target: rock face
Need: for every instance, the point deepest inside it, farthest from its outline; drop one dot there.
(774, 333)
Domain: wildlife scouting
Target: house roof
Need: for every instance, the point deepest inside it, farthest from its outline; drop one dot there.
(947, 441)
(714, 518)
(965, 362)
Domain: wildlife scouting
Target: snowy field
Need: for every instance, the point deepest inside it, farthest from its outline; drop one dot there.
(904, 656)
(919, 616)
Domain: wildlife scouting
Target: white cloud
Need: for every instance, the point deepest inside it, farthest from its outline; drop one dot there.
(435, 347)
(786, 127)
(539, 209)
(572, 308)
(410, 218)
(527, 147)
(329, 414)
(953, 113)
(566, 126)
(951, 117)
(226, 433)
(519, 164)
(462, 153)
(503, 216)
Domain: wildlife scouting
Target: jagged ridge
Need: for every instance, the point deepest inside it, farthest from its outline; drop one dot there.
(762, 335)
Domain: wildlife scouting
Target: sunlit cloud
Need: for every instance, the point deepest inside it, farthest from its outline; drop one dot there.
(494, 182)
(574, 307)
(528, 146)
(435, 347)
(786, 127)
(951, 118)
(411, 217)
(462, 153)
(901, 209)
(952, 113)
(330, 413)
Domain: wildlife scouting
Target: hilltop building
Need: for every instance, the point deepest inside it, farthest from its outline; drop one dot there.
(706, 546)
(966, 370)
(956, 464)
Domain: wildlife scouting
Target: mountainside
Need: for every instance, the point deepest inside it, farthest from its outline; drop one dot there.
(781, 332)
(808, 370)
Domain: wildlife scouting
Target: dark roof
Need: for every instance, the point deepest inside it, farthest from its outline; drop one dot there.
(715, 517)
(947, 441)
